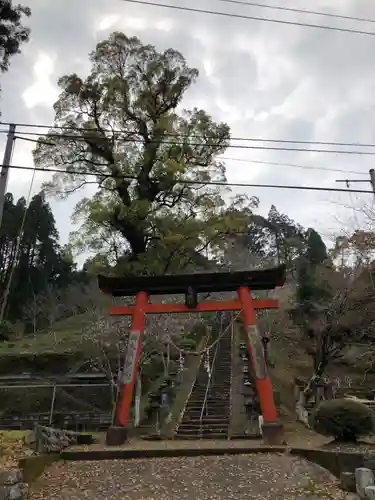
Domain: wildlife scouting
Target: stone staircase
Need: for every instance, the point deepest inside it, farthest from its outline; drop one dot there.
(215, 418)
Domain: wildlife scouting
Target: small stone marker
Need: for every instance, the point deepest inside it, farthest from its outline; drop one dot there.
(364, 478)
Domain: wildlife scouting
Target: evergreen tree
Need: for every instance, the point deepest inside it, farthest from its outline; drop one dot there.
(288, 238)
(31, 257)
(310, 288)
(12, 31)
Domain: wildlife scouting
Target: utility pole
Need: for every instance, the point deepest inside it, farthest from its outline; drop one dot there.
(3, 189)
(371, 180)
(5, 168)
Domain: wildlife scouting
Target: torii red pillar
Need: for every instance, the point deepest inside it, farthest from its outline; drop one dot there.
(129, 371)
(266, 279)
(272, 430)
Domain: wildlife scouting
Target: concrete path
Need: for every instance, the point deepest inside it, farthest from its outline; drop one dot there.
(258, 476)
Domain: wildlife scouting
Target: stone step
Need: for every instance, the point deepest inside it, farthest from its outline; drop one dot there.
(197, 410)
(218, 379)
(214, 413)
(198, 405)
(210, 396)
(194, 429)
(220, 423)
(194, 417)
(217, 384)
(213, 397)
(217, 421)
(217, 389)
(205, 427)
(212, 390)
(222, 436)
(209, 419)
(223, 390)
(215, 400)
(213, 387)
(195, 402)
(203, 432)
(215, 403)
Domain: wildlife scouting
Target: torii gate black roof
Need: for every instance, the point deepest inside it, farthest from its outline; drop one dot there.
(262, 279)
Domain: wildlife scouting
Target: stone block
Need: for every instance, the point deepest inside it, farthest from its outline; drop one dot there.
(347, 481)
(369, 492)
(273, 433)
(116, 436)
(18, 492)
(363, 478)
(9, 477)
(14, 492)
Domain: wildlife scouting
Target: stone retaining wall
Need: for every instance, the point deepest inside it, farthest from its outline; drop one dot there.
(361, 481)
(354, 469)
(49, 440)
(12, 486)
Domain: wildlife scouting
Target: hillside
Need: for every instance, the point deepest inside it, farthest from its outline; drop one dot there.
(65, 348)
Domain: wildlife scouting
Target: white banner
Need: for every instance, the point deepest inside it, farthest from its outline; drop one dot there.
(257, 352)
(131, 355)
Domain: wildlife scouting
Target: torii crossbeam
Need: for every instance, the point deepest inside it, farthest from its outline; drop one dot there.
(191, 285)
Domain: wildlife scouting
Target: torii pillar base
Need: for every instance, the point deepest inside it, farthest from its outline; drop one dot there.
(273, 434)
(116, 435)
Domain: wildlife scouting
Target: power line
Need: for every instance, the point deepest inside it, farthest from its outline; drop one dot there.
(251, 18)
(171, 134)
(191, 182)
(294, 165)
(299, 11)
(291, 165)
(203, 145)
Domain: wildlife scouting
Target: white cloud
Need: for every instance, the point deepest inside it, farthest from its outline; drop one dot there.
(108, 22)
(265, 80)
(42, 91)
(164, 24)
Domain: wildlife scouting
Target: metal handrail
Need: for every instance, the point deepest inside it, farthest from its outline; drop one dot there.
(204, 406)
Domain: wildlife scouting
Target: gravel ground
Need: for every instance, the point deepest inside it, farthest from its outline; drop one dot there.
(260, 476)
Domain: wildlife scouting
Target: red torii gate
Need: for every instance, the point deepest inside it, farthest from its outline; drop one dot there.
(191, 285)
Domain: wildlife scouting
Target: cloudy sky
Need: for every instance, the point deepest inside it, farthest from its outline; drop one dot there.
(267, 80)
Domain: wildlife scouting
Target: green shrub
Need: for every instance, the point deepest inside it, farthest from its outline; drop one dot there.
(344, 419)
(6, 330)
(188, 344)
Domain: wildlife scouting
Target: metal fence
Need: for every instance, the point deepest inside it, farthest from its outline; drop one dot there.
(81, 414)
